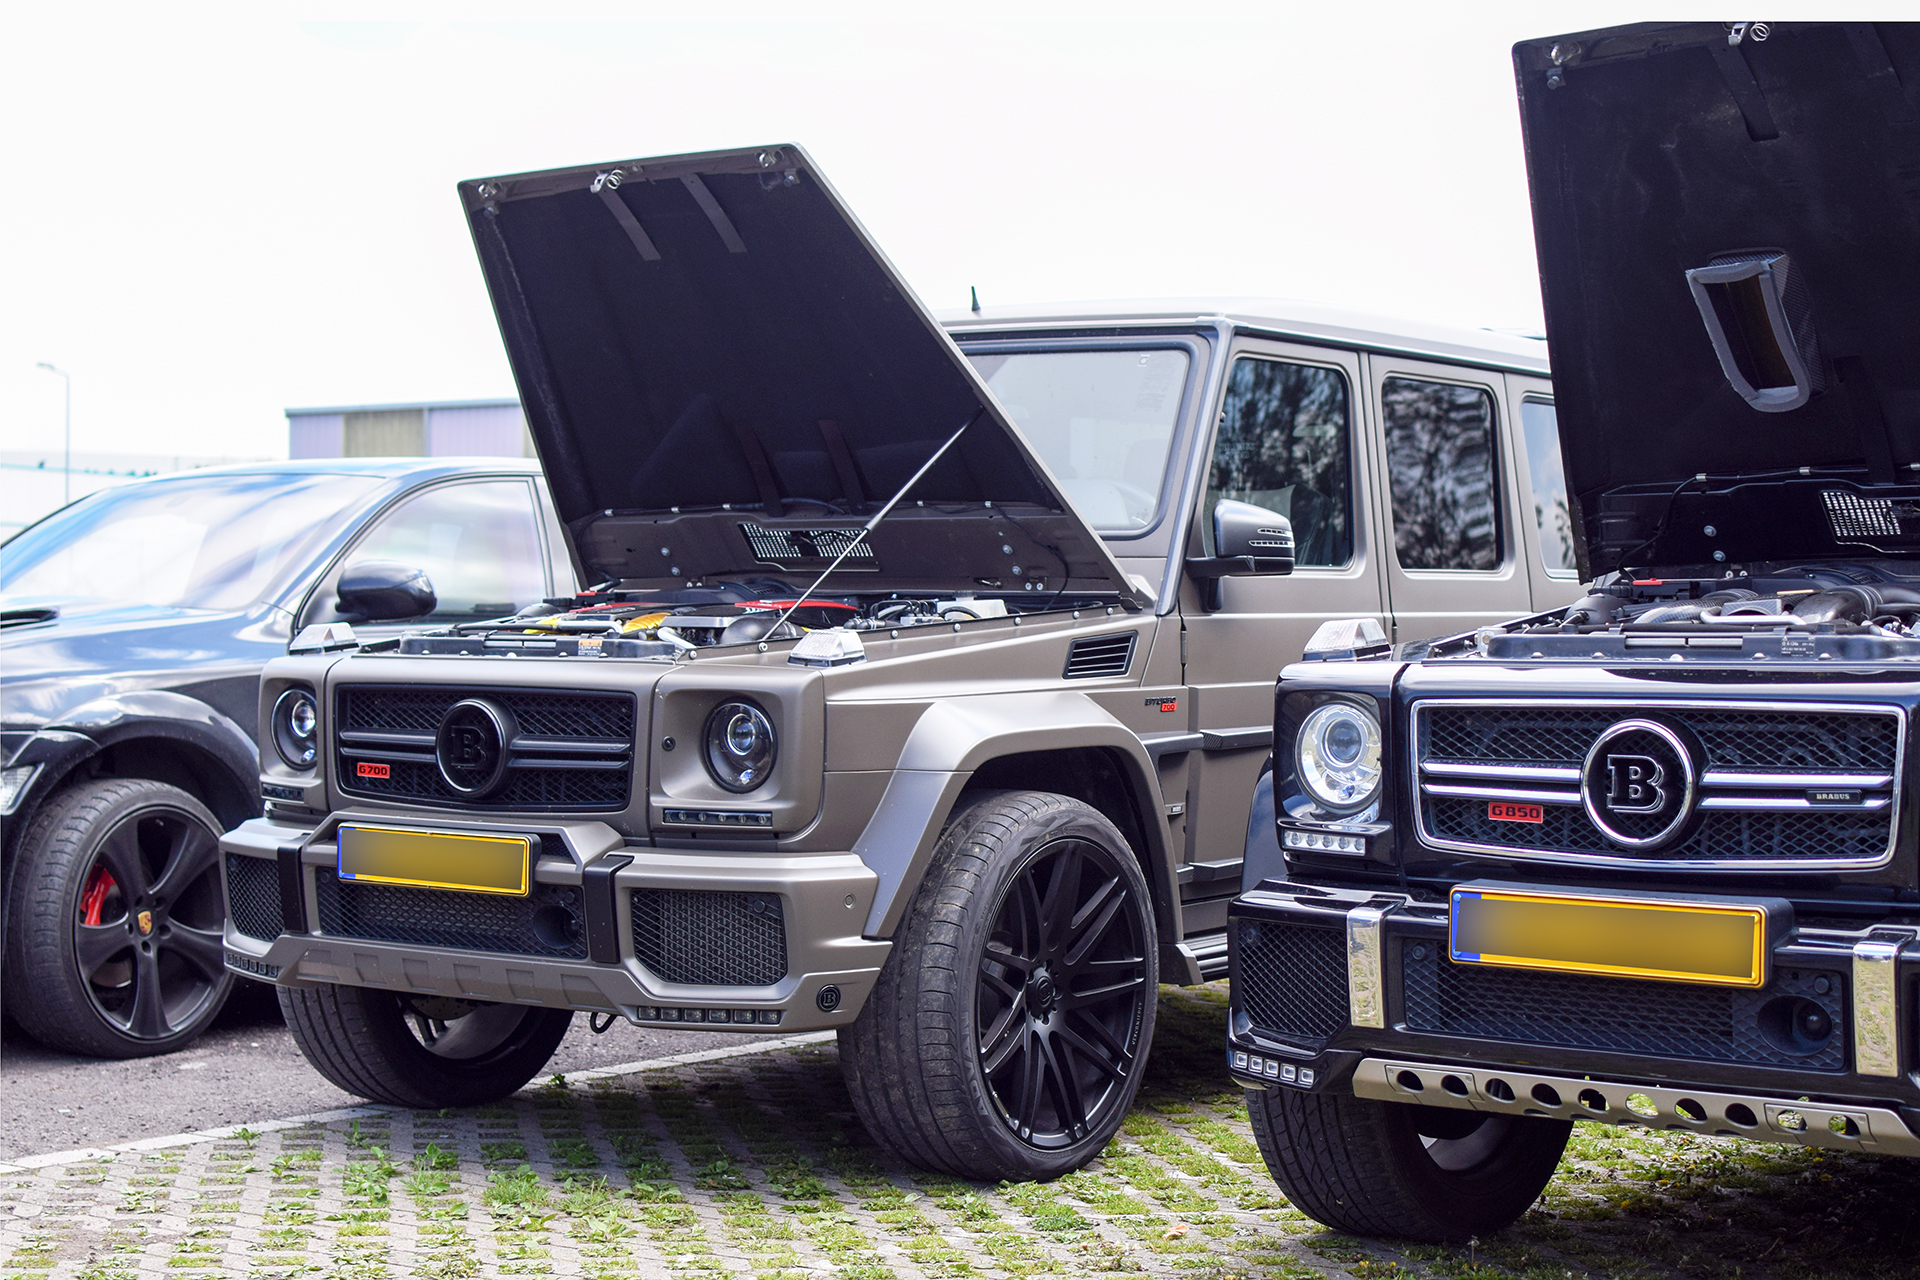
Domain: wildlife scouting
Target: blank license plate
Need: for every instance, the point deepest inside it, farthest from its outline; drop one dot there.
(436, 859)
(1627, 937)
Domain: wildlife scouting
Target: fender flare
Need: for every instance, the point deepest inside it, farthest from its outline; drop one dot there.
(955, 736)
(80, 733)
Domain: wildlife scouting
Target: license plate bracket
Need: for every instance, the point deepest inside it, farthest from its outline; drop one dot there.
(456, 861)
(1674, 940)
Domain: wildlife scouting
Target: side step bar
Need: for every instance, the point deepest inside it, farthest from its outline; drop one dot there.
(1205, 954)
(1523, 1093)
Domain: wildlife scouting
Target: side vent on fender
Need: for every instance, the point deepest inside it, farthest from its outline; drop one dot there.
(1098, 656)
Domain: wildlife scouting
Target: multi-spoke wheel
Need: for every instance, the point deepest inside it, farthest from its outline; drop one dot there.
(1008, 1031)
(1402, 1171)
(114, 927)
(417, 1051)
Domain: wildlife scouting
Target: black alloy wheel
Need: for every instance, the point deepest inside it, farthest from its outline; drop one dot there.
(1062, 994)
(1007, 1034)
(115, 932)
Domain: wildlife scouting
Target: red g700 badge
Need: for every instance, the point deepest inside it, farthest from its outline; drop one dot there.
(367, 769)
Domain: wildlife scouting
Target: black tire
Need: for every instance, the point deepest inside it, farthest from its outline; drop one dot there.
(422, 1053)
(1006, 1038)
(114, 931)
(1400, 1171)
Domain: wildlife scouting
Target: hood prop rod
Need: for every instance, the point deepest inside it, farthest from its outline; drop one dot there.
(878, 516)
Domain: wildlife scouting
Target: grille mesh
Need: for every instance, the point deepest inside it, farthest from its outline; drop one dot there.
(546, 922)
(253, 896)
(1292, 979)
(708, 937)
(1622, 1015)
(1720, 835)
(1785, 741)
(534, 783)
(1731, 739)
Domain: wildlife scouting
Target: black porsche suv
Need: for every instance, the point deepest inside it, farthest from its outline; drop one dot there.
(1652, 859)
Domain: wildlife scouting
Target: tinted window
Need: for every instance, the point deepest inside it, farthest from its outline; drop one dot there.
(198, 542)
(1440, 468)
(1550, 510)
(1102, 421)
(1284, 444)
(477, 543)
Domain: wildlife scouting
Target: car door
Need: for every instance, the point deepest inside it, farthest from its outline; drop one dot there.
(1287, 435)
(1547, 516)
(479, 541)
(1450, 556)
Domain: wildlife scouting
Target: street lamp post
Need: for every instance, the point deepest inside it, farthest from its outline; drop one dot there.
(66, 466)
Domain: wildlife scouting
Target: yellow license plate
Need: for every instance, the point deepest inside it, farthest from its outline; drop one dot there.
(435, 859)
(1626, 937)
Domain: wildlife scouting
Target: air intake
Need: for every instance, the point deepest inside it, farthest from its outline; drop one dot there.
(782, 546)
(1097, 657)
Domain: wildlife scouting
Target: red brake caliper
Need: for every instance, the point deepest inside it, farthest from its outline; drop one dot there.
(99, 885)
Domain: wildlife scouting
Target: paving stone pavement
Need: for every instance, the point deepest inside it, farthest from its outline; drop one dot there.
(753, 1168)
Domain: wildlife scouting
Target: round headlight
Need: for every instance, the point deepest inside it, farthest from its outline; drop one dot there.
(296, 728)
(740, 746)
(1338, 756)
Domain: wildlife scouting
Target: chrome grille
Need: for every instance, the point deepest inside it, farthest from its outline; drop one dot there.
(1781, 785)
(574, 750)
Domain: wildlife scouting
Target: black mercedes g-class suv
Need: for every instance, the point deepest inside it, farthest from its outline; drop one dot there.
(1650, 859)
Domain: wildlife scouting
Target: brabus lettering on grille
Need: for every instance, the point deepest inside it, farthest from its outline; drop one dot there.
(1635, 784)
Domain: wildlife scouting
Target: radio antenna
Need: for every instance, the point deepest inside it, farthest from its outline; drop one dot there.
(878, 516)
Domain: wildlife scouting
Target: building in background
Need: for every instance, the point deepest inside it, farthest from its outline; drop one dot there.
(453, 428)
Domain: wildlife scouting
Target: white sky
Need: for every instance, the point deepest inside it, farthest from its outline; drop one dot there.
(205, 222)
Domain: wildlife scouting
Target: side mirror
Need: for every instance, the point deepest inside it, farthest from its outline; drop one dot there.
(383, 591)
(1247, 540)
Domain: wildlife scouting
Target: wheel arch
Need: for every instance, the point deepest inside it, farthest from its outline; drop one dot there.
(154, 734)
(1062, 742)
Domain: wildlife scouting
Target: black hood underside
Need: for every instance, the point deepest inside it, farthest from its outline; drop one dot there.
(724, 377)
(1658, 150)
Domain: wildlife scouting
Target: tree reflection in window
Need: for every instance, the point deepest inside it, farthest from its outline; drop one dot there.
(1440, 469)
(1283, 444)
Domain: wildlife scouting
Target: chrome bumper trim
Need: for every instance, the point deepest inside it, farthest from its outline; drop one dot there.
(1366, 968)
(1876, 1005)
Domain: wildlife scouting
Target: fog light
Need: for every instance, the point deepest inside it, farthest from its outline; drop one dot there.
(1327, 841)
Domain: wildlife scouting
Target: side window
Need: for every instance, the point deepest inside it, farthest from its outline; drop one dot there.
(1285, 443)
(1440, 467)
(476, 541)
(1551, 511)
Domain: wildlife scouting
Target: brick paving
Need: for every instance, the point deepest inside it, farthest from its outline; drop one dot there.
(752, 1167)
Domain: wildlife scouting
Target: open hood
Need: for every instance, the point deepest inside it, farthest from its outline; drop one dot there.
(724, 377)
(1726, 216)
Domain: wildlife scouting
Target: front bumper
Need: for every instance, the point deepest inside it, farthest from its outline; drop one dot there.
(1352, 991)
(584, 932)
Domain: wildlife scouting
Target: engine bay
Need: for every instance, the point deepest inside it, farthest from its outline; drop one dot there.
(1859, 611)
(663, 624)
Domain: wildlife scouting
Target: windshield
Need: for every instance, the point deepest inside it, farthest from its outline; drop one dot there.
(1102, 420)
(207, 542)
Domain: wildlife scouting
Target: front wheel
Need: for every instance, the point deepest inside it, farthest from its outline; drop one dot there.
(114, 928)
(1008, 1032)
(423, 1052)
(1400, 1171)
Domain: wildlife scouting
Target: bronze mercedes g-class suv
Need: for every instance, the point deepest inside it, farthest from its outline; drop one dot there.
(1651, 859)
(882, 715)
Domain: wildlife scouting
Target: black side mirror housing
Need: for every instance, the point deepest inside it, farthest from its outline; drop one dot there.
(1247, 540)
(384, 591)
